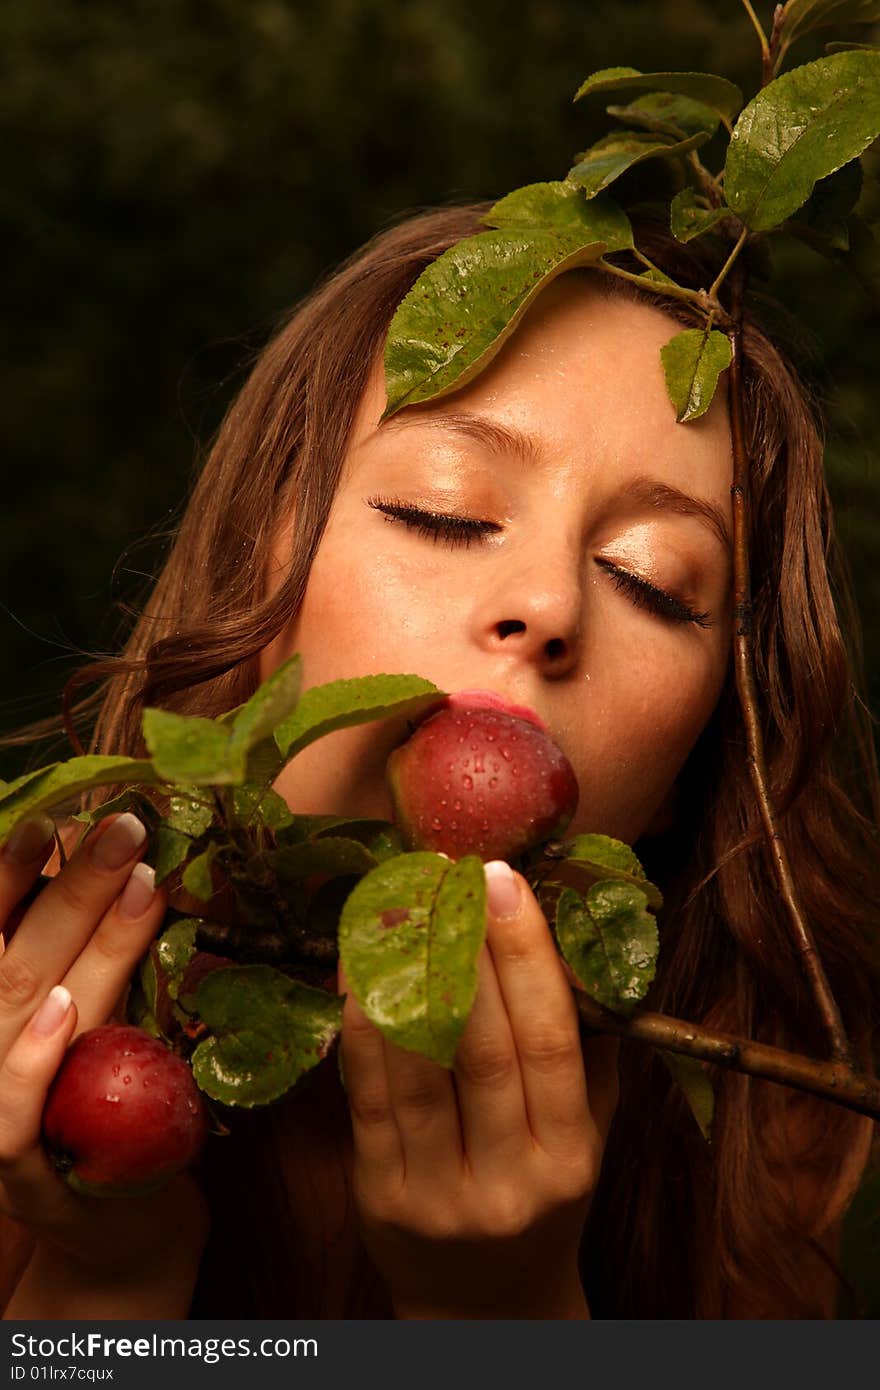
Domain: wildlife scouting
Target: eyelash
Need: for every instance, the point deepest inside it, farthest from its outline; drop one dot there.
(461, 530)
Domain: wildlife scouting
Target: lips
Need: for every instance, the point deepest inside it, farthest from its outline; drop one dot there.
(481, 699)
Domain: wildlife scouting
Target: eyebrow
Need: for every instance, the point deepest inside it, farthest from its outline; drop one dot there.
(642, 490)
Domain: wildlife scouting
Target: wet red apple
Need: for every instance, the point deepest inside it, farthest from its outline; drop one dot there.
(476, 778)
(123, 1113)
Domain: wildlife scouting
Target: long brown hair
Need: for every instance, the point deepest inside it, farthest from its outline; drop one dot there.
(678, 1228)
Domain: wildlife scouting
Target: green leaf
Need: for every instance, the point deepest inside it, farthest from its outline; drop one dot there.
(668, 113)
(343, 703)
(187, 748)
(61, 783)
(305, 827)
(827, 209)
(260, 805)
(466, 304)
(332, 855)
(607, 858)
(267, 1030)
(197, 874)
(689, 218)
(704, 87)
(170, 849)
(801, 17)
(563, 207)
(409, 936)
(127, 800)
(697, 1087)
(189, 811)
(798, 130)
(693, 361)
(175, 949)
(610, 941)
(611, 156)
(268, 707)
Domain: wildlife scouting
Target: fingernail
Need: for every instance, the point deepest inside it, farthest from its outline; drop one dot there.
(51, 1012)
(116, 845)
(138, 892)
(30, 841)
(502, 888)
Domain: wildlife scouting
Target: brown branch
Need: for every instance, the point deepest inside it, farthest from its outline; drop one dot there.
(745, 684)
(832, 1080)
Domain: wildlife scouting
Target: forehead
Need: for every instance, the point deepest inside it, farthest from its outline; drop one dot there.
(582, 375)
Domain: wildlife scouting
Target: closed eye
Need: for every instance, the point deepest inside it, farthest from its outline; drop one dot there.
(461, 530)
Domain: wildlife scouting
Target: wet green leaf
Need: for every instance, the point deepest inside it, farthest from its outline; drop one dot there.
(611, 156)
(62, 783)
(190, 810)
(409, 937)
(256, 721)
(170, 849)
(267, 1031)
(187, 748)
(607, 858)
(330, 855)
(697, 1088)
(689, 217)
(693, 361)
(197, 877)
(803, 16)
(175, 950)
(704, 87)
(343, 703)
(464, 307)
(797, 130)
(256, 804)
(610, 941)
(563, 207)
(668, 113)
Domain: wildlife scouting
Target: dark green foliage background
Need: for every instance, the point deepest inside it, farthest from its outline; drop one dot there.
(177, 173)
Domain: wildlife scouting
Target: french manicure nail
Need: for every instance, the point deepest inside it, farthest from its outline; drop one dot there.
(51, 1012)
(116, 846)
(138, 893)
(502, 888)
(30, 841)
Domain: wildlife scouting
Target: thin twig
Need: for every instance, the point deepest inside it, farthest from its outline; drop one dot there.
(759, 30)
(745, 684)
(728, 264)
(832, 1080)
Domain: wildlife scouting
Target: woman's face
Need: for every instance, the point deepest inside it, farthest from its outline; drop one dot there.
(567, 453)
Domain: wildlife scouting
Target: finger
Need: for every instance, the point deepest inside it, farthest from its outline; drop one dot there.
(59, 923)
(542, 1013)
(21, 860)
(101, 973)
(491, 1102)
(377, 1146)
(32, 1190)
(426, 1110)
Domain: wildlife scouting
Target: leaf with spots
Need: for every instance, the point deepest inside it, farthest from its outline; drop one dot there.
(266, 1031)
(610, 941)
(409, 937)
(466, 304)
(693, 361)
(356, 700)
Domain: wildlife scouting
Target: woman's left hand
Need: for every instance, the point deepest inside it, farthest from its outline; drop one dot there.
(473, 1186)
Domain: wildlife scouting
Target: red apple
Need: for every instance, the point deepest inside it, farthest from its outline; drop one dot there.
(123, 1112)
(476, 778)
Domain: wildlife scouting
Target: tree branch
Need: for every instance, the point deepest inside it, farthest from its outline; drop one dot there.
(835, 1081)
(745, 684)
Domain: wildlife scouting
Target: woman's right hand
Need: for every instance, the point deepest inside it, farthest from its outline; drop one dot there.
(86, 931)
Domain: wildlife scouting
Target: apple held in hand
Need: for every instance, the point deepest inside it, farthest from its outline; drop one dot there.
(479, 777)
(123, 1113)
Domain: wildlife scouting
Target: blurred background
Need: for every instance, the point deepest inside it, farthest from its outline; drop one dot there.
(177, 173)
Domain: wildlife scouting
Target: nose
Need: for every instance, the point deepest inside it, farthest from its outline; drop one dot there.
(535, 612)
